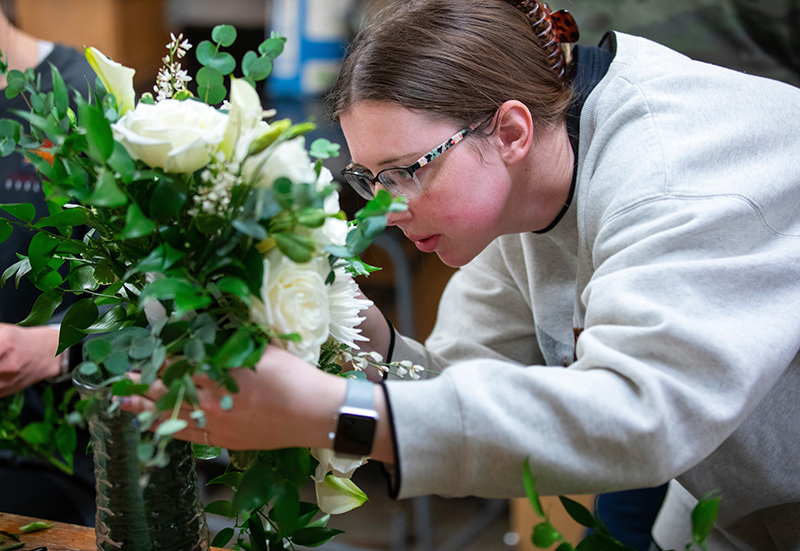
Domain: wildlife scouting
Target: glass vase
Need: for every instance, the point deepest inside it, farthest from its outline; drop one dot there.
(138, 508)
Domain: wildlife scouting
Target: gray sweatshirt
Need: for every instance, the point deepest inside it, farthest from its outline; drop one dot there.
(678, 264)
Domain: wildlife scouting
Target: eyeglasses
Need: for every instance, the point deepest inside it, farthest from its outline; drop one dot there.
(398, 180)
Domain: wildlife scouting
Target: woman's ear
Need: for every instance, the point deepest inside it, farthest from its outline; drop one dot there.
(513, 134)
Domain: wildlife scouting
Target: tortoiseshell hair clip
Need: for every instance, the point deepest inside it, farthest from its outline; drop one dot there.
(554, 28)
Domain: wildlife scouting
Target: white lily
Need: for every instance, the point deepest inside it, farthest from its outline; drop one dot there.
(245, 113)
(117, 78)
(338, 495)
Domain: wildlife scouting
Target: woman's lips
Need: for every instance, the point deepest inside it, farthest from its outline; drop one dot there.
(426, 244)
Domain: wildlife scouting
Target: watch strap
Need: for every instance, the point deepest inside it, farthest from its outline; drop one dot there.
(360, 394)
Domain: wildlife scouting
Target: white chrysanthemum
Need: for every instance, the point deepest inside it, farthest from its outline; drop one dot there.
(345, 304)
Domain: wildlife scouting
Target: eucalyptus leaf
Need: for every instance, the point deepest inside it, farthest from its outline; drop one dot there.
(225, 35)
(171, 426)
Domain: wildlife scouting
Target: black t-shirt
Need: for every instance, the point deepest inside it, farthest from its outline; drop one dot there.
(19, 182)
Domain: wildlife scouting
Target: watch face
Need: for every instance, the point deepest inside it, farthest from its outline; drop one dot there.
(354, 434)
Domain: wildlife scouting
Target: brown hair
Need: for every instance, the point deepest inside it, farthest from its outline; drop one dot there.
(458, 60)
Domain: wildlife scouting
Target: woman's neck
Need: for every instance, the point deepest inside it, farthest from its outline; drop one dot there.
(20, 50)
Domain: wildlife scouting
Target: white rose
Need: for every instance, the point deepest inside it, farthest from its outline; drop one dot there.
(287, 160)
(177, 136)
(294, 299)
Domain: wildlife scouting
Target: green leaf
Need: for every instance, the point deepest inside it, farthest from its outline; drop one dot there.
(235, 286)
(34, 527)
(314, 537)
(221, 507)
(223, 537)
(66, 441)
(81, 315)
(171, 426)
(225, 35)
(286, 509)
(82, 279)
(98, 349)
(578, 512)
(208, 77)
(530, 489)
(106, 192)
(60, 94)
(273, 46)
(40, 251)
(206, 452)
(251, 228)
(136, 223)
(112, 320)
(544, 535)
(703, 516)
(298, 248)
(235, 349)
(122, 162)
(22, 211)
(127, 387)
(212, 94)
(43, 309)
(37, 434)
(231, 478)
(256, 488)
(68, 217)
(324, 149)
(167, 199)
(258, 537)
(98, 132)
(256, 67)
(5, 229)
(161, 259)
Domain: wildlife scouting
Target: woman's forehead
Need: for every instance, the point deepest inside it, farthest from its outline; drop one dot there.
(379, 132)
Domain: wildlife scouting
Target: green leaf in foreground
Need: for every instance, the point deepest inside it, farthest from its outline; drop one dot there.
(34, 527)
(703, 517)
(530, 489)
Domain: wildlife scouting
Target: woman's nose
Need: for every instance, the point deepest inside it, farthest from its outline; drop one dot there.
(395, 218)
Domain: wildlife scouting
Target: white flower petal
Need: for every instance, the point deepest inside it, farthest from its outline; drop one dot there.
(338, 495)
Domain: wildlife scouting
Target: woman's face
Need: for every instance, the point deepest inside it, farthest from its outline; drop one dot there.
(459, 211)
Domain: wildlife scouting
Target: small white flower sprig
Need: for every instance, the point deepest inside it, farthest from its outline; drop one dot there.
(402, 369)
(171, 78)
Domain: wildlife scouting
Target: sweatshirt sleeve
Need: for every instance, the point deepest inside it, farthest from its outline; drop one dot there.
(690, 320)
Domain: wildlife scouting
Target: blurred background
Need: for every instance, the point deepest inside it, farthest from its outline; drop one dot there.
(756, 36)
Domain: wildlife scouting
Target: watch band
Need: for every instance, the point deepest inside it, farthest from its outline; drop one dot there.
(356, 420)
(360, 394)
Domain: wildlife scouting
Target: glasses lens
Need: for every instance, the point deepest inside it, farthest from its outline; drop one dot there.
(399, 181)
(360, 183)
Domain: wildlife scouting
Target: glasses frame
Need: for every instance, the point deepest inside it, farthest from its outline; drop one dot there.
(365, 176)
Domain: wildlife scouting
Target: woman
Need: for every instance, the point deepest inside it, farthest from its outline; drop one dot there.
(632, 218)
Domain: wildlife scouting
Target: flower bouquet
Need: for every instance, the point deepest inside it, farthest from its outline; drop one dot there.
(194, 233)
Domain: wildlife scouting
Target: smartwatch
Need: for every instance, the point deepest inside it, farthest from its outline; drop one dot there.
(356, 420)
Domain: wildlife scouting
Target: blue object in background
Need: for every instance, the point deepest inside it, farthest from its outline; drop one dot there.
(317, 33)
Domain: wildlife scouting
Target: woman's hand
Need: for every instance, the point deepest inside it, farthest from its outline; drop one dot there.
(285, 402)
(27, 355)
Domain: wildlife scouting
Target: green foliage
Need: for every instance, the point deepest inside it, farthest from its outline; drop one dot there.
(545, 534)
(122, 237)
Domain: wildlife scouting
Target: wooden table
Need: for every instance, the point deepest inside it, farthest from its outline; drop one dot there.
(61, 537)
